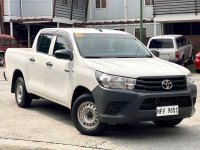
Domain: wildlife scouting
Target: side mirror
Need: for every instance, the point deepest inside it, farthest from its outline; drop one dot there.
(155, 52)
(64, 54)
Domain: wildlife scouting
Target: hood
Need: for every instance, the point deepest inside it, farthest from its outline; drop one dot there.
(136, 67)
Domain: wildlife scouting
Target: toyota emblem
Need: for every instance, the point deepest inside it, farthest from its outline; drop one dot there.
(167, 84)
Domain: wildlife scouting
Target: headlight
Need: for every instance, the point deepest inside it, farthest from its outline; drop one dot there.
(115, 82)
(190, 79)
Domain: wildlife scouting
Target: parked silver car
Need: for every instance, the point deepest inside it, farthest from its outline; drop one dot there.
(172, 48)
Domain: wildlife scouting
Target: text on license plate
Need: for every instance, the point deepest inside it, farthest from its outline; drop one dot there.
(167, 110)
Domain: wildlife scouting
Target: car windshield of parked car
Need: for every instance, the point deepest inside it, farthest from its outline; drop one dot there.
(106, 45)
(161, 43)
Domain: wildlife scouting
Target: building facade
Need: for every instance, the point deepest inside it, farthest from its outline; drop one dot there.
(123, 15)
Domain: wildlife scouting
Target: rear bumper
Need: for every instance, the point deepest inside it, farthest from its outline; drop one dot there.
(122, 106)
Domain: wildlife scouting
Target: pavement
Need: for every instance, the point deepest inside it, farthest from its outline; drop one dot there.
(48, 126)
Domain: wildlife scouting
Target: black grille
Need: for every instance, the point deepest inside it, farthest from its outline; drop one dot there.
(155, 83)
(152, 103)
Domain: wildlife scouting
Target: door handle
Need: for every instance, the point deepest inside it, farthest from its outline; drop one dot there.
(32, 59)
(66, 70)
(49, 64)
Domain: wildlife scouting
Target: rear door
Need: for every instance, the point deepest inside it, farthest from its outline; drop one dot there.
(59, 72)
(37, 65)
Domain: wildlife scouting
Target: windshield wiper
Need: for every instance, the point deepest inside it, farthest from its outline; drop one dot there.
(147, 56)
(124, 57)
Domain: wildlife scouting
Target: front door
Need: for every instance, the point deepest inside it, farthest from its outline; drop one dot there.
(58, 73)
(37, 65)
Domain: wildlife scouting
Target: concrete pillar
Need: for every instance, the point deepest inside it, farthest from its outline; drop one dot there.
(155, 28)
(11, 28)
(90, 7)
(58, 25)
(125, 9)
(29, 35)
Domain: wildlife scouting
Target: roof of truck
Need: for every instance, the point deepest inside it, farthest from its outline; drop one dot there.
(85, 30)
(172, 36)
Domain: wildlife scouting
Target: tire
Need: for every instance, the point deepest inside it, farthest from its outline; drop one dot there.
(198, 70)
(168, 123)
(84, 116)
(23, 99)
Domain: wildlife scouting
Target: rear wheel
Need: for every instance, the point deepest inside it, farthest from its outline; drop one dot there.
(23, 99)
(84, 116)
(168, 123)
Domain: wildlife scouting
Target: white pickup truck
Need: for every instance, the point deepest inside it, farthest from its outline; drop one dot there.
(103, 76)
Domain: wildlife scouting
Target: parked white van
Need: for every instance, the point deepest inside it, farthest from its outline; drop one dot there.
(172, 48)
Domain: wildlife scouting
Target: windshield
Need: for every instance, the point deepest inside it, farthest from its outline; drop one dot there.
(161, 43)
(104, 45)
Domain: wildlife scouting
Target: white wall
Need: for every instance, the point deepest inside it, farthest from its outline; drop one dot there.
(30, 8)
(115, 10)
(37, 8)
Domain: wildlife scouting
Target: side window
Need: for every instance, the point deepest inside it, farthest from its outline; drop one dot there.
(101, 4)
(61, 43)
(148, 2)
(181, 42)
(13, 43)
(6, 42)
(44, 42)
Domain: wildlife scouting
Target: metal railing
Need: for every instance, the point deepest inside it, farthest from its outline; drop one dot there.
(164, 7)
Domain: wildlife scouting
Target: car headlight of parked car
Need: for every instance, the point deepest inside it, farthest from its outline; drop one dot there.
(190, 79)
(115, 82)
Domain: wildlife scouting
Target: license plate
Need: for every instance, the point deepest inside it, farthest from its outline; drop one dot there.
(167, 110)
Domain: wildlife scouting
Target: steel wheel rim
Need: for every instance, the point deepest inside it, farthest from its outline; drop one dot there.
(19, 93)
(87, 115)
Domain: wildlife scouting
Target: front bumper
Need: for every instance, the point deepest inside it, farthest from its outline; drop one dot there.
(123, 106)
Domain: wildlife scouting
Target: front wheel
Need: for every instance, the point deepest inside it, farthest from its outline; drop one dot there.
(84, 116)
(23, 98)
(168, 123)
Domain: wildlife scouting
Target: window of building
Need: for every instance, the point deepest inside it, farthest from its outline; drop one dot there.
(137, 33)
(43, 44)
(148, 2)
(101, 4)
